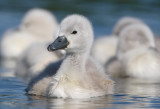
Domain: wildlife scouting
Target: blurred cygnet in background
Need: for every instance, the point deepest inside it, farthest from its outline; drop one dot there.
(137, 54)
(12, 45)
(38, 25)
(124, 22)
(41, 23)
(35, 59)
(105, 47)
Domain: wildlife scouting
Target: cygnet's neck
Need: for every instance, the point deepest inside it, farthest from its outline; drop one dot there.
(74, 64)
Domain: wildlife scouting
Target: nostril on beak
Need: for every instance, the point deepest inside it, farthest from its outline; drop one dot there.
(60, 40)
(49, 48)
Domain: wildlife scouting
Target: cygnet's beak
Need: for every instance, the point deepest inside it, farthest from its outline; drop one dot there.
(60, 43)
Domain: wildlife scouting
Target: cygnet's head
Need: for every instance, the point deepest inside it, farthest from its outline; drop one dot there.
(123, 22)
(135, 36)
(40, 23)
(75, 35)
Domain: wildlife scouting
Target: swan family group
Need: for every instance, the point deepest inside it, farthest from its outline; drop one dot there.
(63, 60)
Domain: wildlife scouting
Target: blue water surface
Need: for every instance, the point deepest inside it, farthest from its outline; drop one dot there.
(127, 96)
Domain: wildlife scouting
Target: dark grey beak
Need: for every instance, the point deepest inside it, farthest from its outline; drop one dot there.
(60, 43)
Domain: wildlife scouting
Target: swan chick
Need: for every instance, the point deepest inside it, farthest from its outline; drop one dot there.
(136, 50)
(105, 47)
(38, 25)
(78, 75)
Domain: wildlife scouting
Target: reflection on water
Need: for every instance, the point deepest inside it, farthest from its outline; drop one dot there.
(104, 14)
(94, 103)
(137, 87)
(128, 94)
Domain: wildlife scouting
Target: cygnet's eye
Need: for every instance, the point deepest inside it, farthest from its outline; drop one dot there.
(74, 32)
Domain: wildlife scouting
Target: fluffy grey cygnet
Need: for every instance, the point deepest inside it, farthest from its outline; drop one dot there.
(38, 25)
(105, 47)
(77, 75)
(137, 54)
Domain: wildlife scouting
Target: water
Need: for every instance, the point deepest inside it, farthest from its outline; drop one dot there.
(103, 14)
(127, 95)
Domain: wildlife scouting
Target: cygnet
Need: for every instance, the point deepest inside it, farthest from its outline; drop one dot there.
(105, 47)
(77, 75)
(37, 25)
(137, 53)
